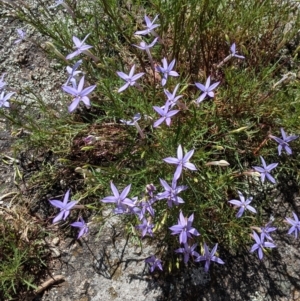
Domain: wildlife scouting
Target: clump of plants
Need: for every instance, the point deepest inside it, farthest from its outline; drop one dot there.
(175, 114)
(22, 252)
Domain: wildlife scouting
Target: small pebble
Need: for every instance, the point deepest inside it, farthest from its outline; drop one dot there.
(55, 252)
(55, 241)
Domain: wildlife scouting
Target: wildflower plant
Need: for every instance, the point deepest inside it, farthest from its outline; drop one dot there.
(65, 206)
(4, 98)
(120, 199)
(130, 78)
(295, 223)
(166, 70)
(231, 55)
(184, 228)
(72, 71)
(150, 26)
(283, 143)
(154, 263)
(171, 97)
(188, 251)
(79, 93)
(181, 161)
(208, 257)
(135, 119)
(207, 89)
(145, 227)
(265, 170)
(234, 52)
(134, 122)
(165, 114)
(215, 142)
(22, 35)
(83, 227)
(144, 46)
(265, 230)
(243, 204)
(57, 3)
(80, 47)
(171, 192)
(260, 244)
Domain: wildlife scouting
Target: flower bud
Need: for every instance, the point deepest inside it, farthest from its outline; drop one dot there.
(90, 139)
(218, 163)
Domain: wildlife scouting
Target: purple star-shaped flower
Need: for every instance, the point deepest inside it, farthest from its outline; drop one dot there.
(243, 204)
(144, 46)
(165, 114)
(134, 122)
(82, 226)
(208, 257)
(154, 263)
(134, 207)
(21, 34)
(4, 99)
(135, 119)
(150, 26)
(57, 3)
(146, 206)
(188, 251)
(80, 94)
(260, 245)
(80, 47)
(64, 207)
(266, 230)
(265, 170)
(295, 225)
(181, 161)
(234, 52)
(72, 72)
(120, 200)
(284, 142)
(184, 228)
(146, 227)
(130, 78)
(171, 192)
(166, 70)
(172, 98)
(207, 90)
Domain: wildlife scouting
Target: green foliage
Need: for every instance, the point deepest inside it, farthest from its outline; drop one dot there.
(250, 104)
(22, 252)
